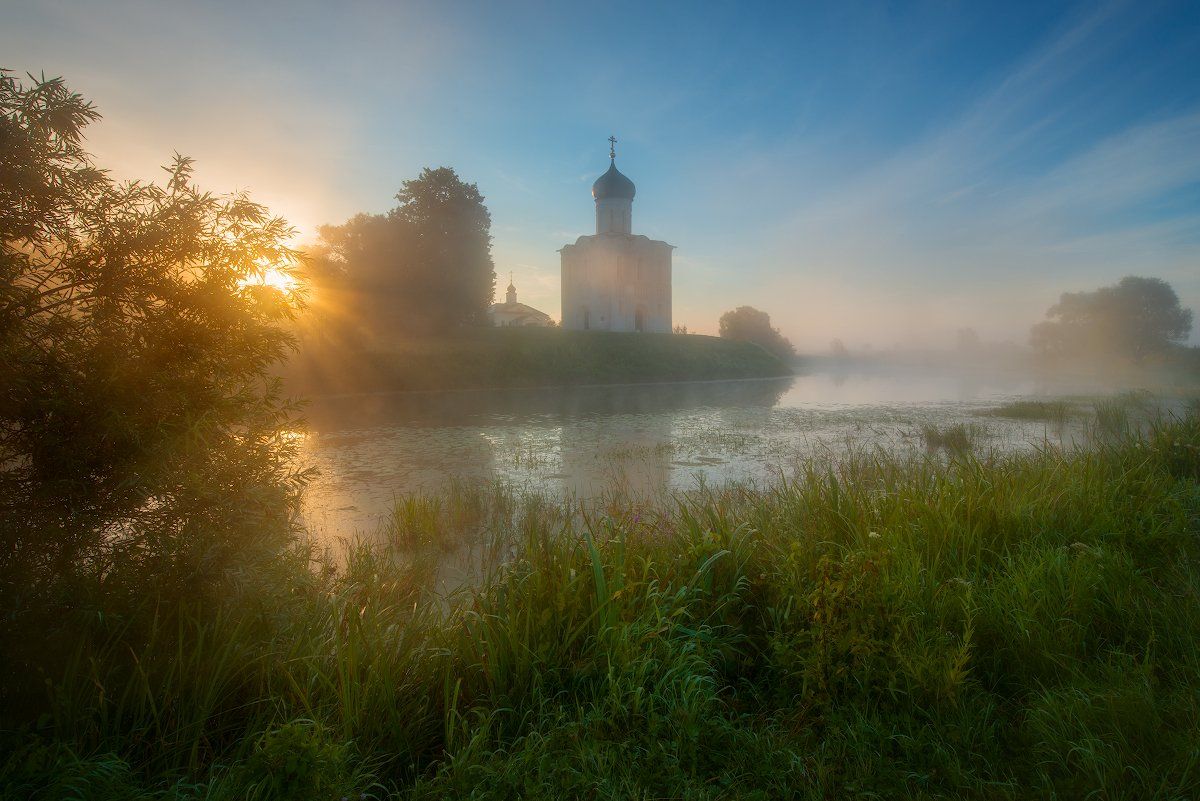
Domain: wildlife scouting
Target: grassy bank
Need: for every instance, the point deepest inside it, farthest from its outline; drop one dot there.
(530, 357)
(1024, 626)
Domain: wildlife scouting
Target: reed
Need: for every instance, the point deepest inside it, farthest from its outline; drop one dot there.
(957, 438)
(1056, 411)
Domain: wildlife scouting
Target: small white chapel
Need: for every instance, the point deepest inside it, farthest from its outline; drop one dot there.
(510, 313)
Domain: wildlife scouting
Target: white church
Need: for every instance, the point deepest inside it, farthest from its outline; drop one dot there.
(616, 280)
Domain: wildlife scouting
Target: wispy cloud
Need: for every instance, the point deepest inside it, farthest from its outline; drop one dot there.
(974, 224)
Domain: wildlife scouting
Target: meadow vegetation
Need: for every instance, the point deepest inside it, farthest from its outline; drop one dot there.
(887, 626)
(530, 357)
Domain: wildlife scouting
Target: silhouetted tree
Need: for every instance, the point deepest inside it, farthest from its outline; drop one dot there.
(748, 324)
(966, 341)
(424, 267)
(1135, 318)
(138, 428)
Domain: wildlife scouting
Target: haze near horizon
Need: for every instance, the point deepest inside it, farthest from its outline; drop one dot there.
(860, 172)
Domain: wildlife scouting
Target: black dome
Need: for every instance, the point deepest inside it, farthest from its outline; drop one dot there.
(613, 185)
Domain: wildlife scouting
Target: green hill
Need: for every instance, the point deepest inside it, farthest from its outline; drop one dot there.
(528, 357)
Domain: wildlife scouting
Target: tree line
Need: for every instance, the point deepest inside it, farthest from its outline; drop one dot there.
(1136, 319)
(423, 268)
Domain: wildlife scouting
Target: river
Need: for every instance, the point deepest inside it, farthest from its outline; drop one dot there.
(645, 439)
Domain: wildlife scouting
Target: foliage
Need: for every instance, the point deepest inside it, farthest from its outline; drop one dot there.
(298, 762)
(140, 440)
(971, 628)
(1135, 318)
(424, 267)
(748, 324)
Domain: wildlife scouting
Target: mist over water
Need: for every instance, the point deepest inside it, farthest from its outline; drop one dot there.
(648, 440)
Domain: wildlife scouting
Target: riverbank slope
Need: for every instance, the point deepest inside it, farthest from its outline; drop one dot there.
(530, 357)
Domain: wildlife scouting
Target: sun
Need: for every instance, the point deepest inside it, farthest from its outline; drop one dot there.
(277, 279)
(274, 278)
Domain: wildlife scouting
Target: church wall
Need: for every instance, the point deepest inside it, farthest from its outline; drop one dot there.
(611, 276)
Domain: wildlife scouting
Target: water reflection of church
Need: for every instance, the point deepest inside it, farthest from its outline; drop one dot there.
(584, 441)
(625, 438)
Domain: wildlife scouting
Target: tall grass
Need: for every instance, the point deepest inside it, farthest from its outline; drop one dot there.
(957, 438)
(999, 627)
(1056, 411)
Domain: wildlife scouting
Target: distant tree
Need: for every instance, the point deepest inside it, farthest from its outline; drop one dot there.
(356, 284)
(748, 324)
(424, 267)
(966, 340)
(680, 329)
(837, 349)
(138, 427)
(1135, 318)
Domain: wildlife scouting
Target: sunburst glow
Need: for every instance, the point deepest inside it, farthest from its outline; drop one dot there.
(274, 278)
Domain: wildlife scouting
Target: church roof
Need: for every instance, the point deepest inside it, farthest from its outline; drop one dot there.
(613, 184)
(519, 309)
(586, 240)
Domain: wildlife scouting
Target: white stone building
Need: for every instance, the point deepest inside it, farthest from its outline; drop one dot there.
(510, 313)
(616, 280)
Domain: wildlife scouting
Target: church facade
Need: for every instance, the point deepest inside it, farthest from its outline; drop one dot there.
(615, 280)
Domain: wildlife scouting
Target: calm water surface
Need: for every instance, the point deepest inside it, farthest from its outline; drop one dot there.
(372, 449)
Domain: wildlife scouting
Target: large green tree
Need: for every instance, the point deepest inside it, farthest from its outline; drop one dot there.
(139, 431)
(1135, 318)
(424, 267)
(749, 324)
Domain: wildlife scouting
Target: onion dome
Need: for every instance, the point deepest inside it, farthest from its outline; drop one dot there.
(613, 185)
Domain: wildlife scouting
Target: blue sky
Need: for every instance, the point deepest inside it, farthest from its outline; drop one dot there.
(880, 172)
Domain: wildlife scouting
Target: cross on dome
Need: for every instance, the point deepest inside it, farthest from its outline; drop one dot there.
(613, 185)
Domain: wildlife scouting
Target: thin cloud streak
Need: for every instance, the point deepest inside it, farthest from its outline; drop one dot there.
(991, 228)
